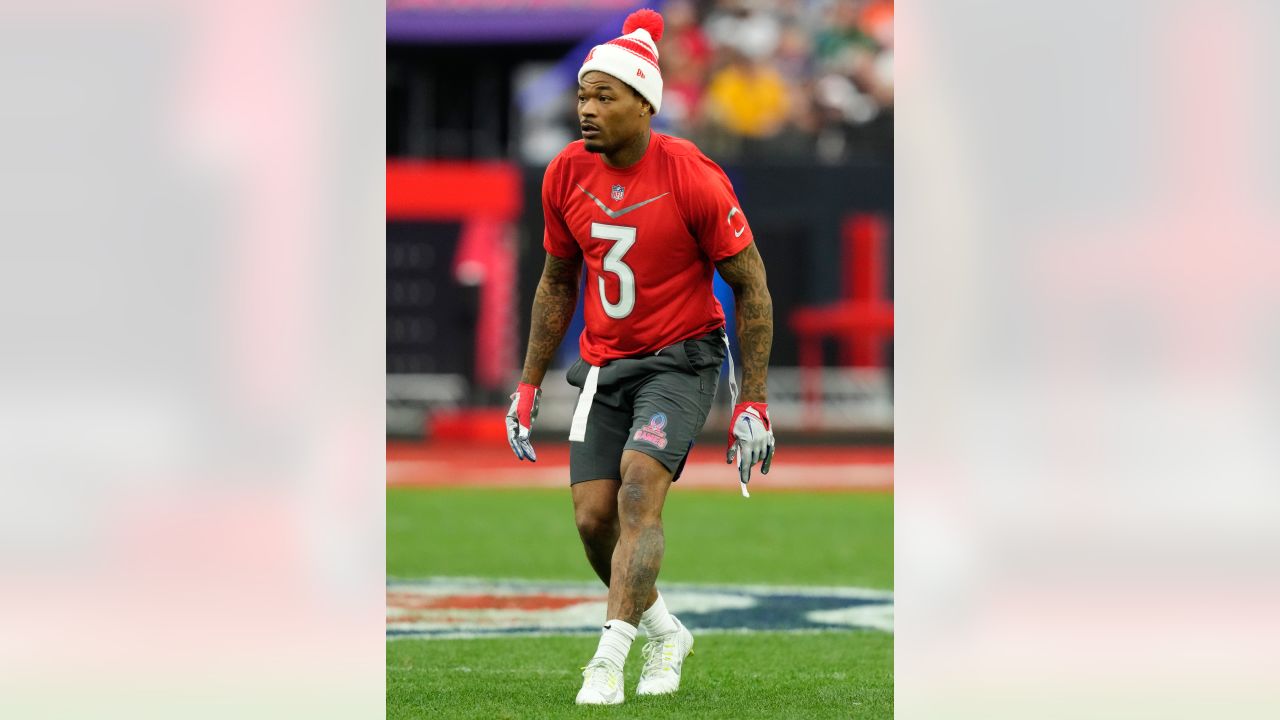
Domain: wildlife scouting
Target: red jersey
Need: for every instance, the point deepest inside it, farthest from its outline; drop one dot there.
(649, 235)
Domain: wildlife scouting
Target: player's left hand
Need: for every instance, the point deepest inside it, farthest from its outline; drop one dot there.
(524, 410)
(750, 440)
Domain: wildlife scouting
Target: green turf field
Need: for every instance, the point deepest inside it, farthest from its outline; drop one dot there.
(831, 539)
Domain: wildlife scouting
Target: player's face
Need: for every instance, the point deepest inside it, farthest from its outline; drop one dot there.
(610, 113)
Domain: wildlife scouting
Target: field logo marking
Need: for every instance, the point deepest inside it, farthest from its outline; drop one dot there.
(476, 607)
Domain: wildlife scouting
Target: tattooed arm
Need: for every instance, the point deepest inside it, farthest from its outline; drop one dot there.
(553, 306)
(744, 273)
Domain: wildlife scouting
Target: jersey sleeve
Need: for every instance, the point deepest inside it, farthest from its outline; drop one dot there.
(712, 210)
(556, 239)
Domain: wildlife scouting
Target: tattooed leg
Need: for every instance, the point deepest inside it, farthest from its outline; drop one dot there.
(595, 510)
(638, 554)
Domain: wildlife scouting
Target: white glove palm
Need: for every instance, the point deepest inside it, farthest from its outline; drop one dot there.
(750, 441)
(524, 410)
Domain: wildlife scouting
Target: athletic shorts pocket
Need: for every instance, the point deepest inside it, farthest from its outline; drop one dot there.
(577, 373)
(705, 356)
(706, 351)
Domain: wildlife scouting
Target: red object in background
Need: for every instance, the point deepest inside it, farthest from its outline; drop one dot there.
(860, 322)
(415, 601)
(452, 191)
(864, 254)
(487, 257)
(876, 21)
(486, 197)
(479, 425)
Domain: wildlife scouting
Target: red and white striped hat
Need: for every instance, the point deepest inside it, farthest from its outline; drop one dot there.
(632, 58)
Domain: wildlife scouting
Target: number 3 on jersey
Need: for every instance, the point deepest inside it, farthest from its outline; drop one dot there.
(623, 238)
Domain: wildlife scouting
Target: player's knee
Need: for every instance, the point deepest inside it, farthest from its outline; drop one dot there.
(642, 492)
(595, 525)
(637, 505)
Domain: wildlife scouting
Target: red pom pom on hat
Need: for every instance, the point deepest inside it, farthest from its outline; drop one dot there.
(622, 56)
(648, 19)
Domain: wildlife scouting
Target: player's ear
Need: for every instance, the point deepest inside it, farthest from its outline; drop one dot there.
(645, 107)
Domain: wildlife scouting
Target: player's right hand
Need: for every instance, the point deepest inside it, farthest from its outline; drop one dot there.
(524, 409)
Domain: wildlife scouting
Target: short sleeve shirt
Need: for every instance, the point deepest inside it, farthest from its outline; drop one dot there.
(650, 236)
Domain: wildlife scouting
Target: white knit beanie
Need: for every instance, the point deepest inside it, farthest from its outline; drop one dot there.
(632, 58)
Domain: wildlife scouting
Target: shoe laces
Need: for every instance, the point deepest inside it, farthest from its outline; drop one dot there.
(601, 673)
(658, 654)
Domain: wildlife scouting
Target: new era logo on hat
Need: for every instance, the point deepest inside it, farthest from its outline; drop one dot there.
(626, 57)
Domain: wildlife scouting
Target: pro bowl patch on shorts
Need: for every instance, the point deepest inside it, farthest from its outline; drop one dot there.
(653, 432)
(468, 607)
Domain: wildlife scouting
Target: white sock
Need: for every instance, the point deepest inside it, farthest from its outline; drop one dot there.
(657, 621)
(615, 642)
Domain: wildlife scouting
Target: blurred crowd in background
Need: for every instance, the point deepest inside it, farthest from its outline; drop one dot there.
(770, 81)
(805, 79)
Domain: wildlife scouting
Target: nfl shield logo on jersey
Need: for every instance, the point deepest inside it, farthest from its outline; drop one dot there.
(616, 192)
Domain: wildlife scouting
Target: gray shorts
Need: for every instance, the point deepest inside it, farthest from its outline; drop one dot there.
(653, 404)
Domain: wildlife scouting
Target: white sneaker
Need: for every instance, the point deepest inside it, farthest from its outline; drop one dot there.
(601, 684)
(663, 657)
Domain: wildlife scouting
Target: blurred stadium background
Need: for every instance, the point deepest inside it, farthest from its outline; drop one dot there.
(795, 101)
